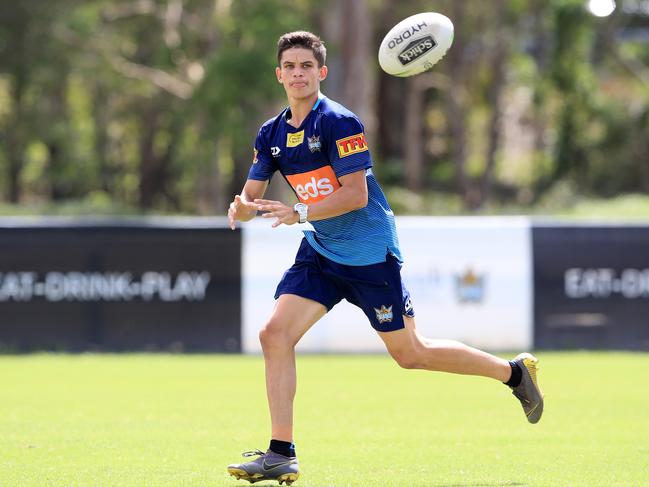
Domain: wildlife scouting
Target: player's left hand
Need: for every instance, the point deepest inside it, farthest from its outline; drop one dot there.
(278, 210)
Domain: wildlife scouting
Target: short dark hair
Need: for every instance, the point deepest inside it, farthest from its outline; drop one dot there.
(303, 39)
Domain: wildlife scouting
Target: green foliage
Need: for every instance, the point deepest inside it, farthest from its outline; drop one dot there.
(240, 81)
(159, 111)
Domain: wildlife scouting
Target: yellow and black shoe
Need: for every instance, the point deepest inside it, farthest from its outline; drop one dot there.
(528, 391)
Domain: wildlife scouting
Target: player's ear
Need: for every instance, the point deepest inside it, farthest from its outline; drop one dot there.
(324, 70)
(278, 73)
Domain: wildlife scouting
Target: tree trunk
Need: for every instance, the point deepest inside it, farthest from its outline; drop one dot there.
(494, 100)
(148, 129)
(358, 87)
(16, 126)
(413, 136)
(456, 110)
(101, 119)
(349, 80)
(390, 98)
(15, 143)
(56, 139)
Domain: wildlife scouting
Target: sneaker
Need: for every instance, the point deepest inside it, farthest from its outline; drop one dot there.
(267, 466)
(528, 392)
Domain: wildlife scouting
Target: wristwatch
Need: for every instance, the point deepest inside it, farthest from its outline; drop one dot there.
(302, 209)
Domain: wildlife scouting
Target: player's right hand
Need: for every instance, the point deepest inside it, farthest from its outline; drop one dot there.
(240, 209)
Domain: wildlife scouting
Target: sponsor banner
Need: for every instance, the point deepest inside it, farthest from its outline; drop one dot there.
(267, 254)
(591, 286)
(133, 284)
(469, 278)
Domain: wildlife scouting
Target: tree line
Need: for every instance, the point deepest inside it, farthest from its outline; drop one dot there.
(153, 105)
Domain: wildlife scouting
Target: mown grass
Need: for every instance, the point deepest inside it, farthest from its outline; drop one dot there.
(178, 420)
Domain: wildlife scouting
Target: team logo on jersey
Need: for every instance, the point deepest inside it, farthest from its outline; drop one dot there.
(351, 145)
(275, 151)
(314, 143)
(314, 186)
(383, 314)
(293, 140)
(254, 156)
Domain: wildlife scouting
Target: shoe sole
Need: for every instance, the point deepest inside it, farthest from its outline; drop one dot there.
(239, 474)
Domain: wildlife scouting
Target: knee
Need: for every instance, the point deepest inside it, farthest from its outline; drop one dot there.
(274, 336)
(407, 359)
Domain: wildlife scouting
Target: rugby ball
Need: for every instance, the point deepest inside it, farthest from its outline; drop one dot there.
(415, 44)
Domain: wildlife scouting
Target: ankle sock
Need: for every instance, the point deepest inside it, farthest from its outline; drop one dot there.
(517, 374)
(285, 448)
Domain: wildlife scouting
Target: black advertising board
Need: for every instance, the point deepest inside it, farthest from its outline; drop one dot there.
(120, 285)
(591, 287)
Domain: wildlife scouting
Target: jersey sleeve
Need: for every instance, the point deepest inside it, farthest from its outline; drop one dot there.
(263, 163)
(346, 145)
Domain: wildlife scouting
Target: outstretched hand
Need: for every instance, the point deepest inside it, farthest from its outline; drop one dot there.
(240, 209)
(278, 210)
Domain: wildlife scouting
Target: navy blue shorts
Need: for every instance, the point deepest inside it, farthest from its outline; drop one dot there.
(377, 289)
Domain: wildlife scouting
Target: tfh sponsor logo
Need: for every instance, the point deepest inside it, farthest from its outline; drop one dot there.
(314, 186)
(351, 145)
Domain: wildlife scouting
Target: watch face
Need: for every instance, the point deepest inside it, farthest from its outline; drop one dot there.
(302, 210)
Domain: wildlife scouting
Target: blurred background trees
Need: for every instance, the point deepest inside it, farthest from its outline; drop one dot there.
(153, 105)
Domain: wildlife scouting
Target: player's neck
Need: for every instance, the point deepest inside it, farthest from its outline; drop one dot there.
(300, 108)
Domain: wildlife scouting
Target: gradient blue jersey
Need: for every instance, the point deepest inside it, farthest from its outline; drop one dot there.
(329, 144)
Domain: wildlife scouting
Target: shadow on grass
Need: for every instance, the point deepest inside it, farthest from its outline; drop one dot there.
(481, 484)
(424, 484)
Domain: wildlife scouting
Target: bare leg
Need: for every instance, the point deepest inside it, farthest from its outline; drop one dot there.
(412, 351)
(290, 320)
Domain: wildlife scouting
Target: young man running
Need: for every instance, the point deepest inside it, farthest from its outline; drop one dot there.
(320, 149)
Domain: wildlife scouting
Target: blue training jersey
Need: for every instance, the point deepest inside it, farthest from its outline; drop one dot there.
(329, 144)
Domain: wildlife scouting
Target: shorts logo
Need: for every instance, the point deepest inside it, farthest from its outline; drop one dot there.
(254, 156)
(351, 145)
(293, 140)
(384, 315)
(314, 143)
(314, 186)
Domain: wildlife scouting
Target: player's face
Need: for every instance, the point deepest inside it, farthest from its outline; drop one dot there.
(299, 73)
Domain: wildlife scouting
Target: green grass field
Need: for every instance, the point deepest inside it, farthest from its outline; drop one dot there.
(178, 420)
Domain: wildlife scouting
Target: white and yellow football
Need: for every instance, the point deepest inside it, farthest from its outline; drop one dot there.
(416, 44)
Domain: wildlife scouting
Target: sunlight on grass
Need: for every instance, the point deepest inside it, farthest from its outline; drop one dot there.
(361, 421)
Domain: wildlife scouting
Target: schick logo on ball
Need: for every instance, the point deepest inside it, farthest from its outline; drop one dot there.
(416, 49)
